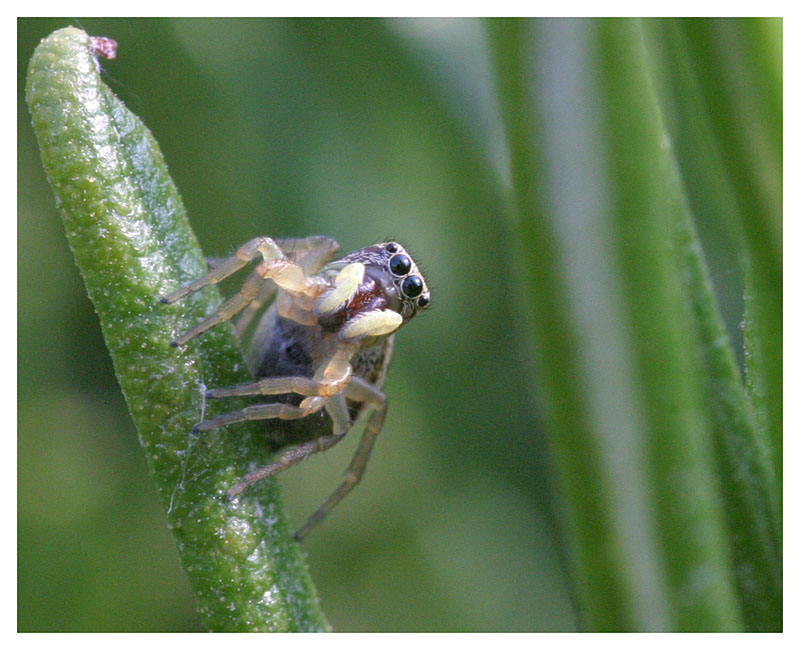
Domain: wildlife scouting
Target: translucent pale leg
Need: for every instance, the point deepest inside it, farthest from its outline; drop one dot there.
(311, 253)
(229, 308)
(337, 408)
(257, 412)
(361, 391)
(331, 379)
(287, 275)
(266, 292)
(224, 268)
(290, 457)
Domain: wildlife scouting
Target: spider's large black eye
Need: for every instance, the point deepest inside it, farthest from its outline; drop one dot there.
(392, 247)
(412, 286)
(400, 264)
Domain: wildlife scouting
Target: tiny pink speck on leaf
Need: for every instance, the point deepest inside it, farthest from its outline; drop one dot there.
(105, 47)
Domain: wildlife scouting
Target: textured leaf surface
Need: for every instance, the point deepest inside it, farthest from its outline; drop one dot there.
(128, 229)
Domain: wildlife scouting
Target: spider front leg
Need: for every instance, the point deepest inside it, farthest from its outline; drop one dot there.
(224, 268)
(287, 275)
(311, 253)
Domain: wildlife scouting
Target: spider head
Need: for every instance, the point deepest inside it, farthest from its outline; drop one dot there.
(391, 282)
(396, 278)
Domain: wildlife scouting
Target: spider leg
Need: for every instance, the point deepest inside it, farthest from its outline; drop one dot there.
(223, 268)
(337, 408)
(330, 380)
(290, 457)
(312, 253)
(362, 391)
(227, 310)
(280, 386)
(289, 276)
(214, 262)
(296, 308)
(264, 295)
(335, 375)
(257, 412)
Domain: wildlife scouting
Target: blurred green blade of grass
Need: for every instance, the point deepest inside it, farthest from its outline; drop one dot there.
(595, 203)
(738, 67)
(128, 230)
(603, 592)
(745, 473)
(748, 481)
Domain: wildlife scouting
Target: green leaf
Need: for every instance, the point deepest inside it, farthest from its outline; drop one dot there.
(748, 484)
(739, 82)
(127, 227)
(745, 454)
(595, 202)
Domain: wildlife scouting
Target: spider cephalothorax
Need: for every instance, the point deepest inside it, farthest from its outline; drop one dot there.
(390, 281)
(322, 347)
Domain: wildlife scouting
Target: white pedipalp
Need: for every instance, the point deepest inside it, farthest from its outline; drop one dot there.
(344, 286)
(373, 323)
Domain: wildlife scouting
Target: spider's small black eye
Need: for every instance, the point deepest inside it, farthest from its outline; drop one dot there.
(423, 301)
(400, 264)
(412, 286)
(392, 247)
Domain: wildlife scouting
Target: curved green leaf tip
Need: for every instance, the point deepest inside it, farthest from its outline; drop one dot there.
(128, 230)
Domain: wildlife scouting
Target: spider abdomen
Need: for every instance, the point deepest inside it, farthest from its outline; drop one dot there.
(282, 347)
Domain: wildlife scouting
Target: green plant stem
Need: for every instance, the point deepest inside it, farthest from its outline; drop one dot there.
(748, 483)
(738, 87)
(592, 209)
(127, 227)
(747, 478)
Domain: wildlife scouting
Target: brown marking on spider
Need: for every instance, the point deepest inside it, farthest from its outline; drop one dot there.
(322, 347)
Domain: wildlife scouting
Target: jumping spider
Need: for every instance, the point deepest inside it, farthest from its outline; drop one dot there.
(322, 347)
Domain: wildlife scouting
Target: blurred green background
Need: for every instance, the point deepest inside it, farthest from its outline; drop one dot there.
(362, 130)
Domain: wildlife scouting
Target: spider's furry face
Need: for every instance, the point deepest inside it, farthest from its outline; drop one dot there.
(392, 280)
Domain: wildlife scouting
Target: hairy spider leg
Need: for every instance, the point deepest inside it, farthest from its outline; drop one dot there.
(311, 253)
(290, 457)
(265, 294)
(289, 276)
(362, 391)
(333, 378)
(329, 380)
(257, 412)
(223, 268)
(337, 408)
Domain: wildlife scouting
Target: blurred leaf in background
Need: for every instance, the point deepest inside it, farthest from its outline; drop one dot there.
(429, 131)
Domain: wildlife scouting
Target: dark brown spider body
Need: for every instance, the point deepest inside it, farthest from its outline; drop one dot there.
(283, 348)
